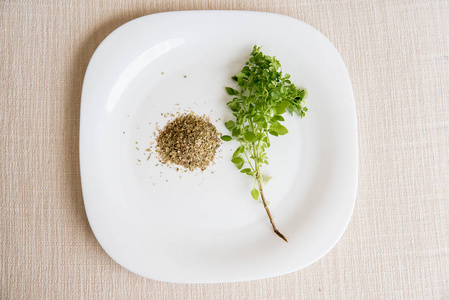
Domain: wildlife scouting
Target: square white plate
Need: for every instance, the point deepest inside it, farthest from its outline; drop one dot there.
(204, 226)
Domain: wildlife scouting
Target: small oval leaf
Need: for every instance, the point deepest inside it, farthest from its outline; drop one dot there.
(231, 91)
(278, 128)
(255, 193)
(250, 137)
(230, 124)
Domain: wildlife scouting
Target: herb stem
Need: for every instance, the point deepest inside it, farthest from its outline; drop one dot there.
(268, 210)
(249, 161)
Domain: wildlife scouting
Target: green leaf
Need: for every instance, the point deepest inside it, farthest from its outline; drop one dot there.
(277, 118)
(259, 118)
(236, 131)
(231, 91)
(236, 154)
(226, 138)
(234, 105)
(250, 137)
(240, 78)
(247, 171)
(281, 107)
(303, 94)
(238, 162)
(266, 179)
(266, 139)
(230, 124)
(272, 132)
(255, 193)
(278, 128)
(238, 151)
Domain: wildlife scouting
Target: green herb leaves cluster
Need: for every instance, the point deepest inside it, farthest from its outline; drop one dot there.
(261, 96)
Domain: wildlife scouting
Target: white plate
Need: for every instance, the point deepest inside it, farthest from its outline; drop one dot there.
(205, 227)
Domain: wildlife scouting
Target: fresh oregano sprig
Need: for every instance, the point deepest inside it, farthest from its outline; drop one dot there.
(263, 94)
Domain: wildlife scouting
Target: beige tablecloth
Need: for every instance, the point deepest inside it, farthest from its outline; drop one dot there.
(397, 244)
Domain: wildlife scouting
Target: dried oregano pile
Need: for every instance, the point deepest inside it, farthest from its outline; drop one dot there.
(189, 141)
